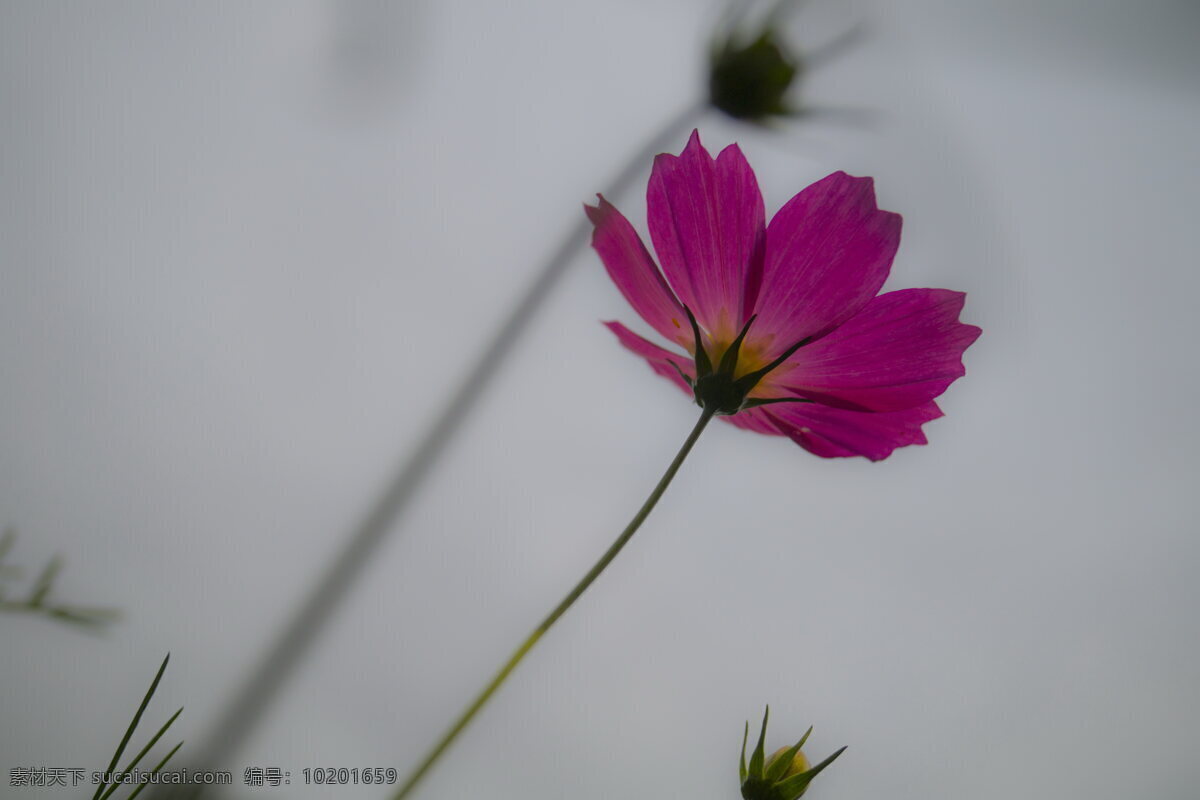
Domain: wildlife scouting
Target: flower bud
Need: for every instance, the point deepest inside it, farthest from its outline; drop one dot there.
(749, 76)
(799, 762)
(785, 775)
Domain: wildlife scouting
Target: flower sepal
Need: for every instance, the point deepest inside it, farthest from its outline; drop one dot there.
(718, 389)
(785, 775)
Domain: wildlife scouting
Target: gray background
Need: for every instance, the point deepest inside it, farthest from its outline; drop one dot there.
(246, 248)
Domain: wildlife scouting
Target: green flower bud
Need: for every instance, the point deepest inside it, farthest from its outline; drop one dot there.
(785, 775)
(749, 76)
(799, 761)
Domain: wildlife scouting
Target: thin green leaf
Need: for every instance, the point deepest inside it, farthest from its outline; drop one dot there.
(817, 769)
(804, 738)
(742, 764)
(156, 770)
(751, 379)
(686, 378)
(797, 783)
(729, 359)
(779, 767)
(703, 364)
(136, 759)
(132, 725)
(756, 760)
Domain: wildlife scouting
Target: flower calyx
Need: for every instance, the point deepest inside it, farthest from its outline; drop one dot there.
(719, 389)
(785, 775)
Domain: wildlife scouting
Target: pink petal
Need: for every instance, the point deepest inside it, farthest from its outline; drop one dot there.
(754, 419)
(902, 350)
(838, 432)
(708, 227)
(829, 250)
(634, 272)
(659, 358)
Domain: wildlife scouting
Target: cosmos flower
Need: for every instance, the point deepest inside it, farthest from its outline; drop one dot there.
(782, 327)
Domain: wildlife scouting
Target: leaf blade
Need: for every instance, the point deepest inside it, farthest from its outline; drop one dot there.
(132, 725)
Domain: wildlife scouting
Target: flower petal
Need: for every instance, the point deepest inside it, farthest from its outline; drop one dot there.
(829, 250)
(707, 223)
(659, 358)
(838, 432)
(754, 419)
(902, 350)
(635, 273)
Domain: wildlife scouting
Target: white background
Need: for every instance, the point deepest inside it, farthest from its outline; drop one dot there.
(245, 249)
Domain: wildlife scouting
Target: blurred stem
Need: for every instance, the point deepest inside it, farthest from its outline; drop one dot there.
(37, 601)
(82, 616)
(558, 611)
(269, 676)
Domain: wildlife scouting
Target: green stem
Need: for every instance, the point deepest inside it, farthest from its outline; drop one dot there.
(255, 697)
(515, 659)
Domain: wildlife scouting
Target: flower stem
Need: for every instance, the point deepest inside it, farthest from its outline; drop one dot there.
(527, 645)
(255, 696)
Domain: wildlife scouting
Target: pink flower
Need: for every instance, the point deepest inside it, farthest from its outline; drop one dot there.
(783, 329)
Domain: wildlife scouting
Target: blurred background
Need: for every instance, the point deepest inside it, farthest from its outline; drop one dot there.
(246, 250)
